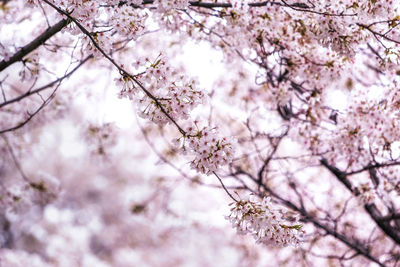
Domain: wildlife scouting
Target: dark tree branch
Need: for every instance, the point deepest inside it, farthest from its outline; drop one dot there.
(210, 4)
(372, 209)
(302, 7)
(271, 155)
(307, 217)
(390, 217)
(226, 5)
(120, 69)
(374, 166)
(34, 44)
(375, 33)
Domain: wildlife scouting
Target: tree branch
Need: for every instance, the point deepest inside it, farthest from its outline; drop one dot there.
(372, 209)
(38, 90)
(302, 7)
(353, 244)
(120, 69)
(34, 44)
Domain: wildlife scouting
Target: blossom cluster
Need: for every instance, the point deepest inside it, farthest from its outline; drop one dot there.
(365, 126)
(165, 5)
(176, 96)
(103, 40)
(266, 223)
(129, 21)
(172, 93)
(210, 150)
(306, 52)
(177, 100)
(85, 12)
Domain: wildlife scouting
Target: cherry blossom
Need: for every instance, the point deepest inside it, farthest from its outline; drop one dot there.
(210, 150)
(304, 115)
(265, 222)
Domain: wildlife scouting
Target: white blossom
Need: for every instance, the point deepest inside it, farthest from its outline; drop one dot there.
(265, 222)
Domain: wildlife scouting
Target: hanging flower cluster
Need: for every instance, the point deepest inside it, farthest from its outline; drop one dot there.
(180, 98)
(267, 224)
(176, 94)
(210, 150)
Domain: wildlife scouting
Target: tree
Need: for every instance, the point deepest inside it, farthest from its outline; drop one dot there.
(300, 131)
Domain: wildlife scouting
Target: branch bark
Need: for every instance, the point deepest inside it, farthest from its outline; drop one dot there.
(34, 44)
(121, 70)
(307, 217)
(302, 7)
(372, 209)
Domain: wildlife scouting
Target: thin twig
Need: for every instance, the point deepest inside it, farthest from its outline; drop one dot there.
(223, 186)
(121, 70)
